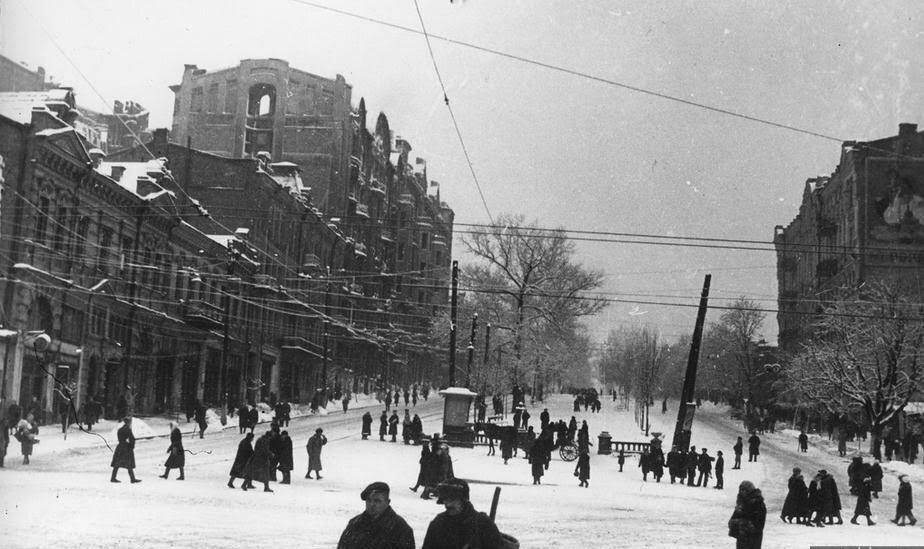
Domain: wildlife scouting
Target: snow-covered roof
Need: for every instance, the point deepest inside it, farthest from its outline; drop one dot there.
(461, 391)
(132, 172)
(18, 106)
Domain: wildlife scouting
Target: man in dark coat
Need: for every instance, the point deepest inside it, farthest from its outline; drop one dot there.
(674, 460)
(905, 503)
(244, 451)
(286, 461)
(875, 475)
(367, 425)
(460, 525)
(315, 443)
(864, 495)
(544, 420)
(739, 449)
(393, 422)
(260, 463)
(796, 498)
(537, 455)
(582, 469)
(378, 527)
(201, 419)
(124, 455)
(704, 464)
(275, 448)
(747, 522)
(803, 442)
(719, 471)
(830, 499)
(254, 418)
(176, 458)
(753, 447)
(243, 418)
(383, 426)
(691, 464)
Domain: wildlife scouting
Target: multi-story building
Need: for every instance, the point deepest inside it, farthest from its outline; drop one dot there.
(16, 77)
(263, 105)
(125, 126)
(862, 223)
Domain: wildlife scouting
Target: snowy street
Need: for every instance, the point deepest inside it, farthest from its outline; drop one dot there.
(64, 498)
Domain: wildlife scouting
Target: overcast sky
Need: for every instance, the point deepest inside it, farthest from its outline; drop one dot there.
(562, 149)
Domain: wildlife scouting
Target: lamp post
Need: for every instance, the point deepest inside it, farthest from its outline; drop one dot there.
(471, 350)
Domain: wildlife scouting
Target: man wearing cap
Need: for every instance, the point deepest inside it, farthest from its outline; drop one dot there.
(460, 525)
(378, 527)
(315, 443)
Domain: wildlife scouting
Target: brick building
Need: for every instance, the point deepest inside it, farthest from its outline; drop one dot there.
(863, 222)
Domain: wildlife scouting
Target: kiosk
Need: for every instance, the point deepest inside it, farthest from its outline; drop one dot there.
(457, 430)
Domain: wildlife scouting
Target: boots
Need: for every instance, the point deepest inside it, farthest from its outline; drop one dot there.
(166, 472)
(182, 475)
(113, 477)
(25, 460)
(231, 482)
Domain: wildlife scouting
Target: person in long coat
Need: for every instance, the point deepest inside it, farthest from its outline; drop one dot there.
(260, 463)
(315, 443)
(393, 422)
(286, 460)
(243, 418)
(254, 418)
(864, 495)
(875, 475)
(383, 425)
(201, 419)
(4, 439)
(445, 464)
(244, 451)
(407, 427)
(738, 448)
(176, 456)
(417, 428)
(644, 462)
(582, 469)
(424, 462)
(746, 524)
(905, 503)
(367, 426)
(537, 455)
(431, 469)
(124, 455)
(815, 506)
(26, 429)
(830, 499)
(753, 447)
(794, 507)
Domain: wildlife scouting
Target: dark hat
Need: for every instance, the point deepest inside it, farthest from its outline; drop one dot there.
(455, 488)
(319, 430)
(822, 472)
(380, 487)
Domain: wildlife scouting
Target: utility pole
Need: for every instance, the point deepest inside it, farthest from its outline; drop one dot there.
(453, 310)
(325, 337)
(471, 350)
(487, 354)
(223, 373)
(682, 430)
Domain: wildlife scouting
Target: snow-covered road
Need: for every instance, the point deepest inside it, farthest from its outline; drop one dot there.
(64, 498)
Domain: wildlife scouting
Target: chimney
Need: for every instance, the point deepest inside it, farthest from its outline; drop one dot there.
(117, 172)
(159, 145)
(96, 156)
(907, 129)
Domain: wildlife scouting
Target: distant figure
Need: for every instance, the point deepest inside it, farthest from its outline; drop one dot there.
(719, 471)
(393, 422)
(753, 447)
(905, 504)
(367, 426)
(747, 522)
(622, 461)
(664, 406)
(582, 469)
(201, 419)
(285, 460)
(26, 430)
(424, 470)
(259, 466)
(176, 458)
(124, 455)
(739, 449)
(803, 442)
(796, 504)
(383, 426)
(315, 443)
(378, 526)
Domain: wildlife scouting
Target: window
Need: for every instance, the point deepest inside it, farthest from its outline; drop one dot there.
(61, 228)
(41, 224)
(83, 226)
(401, 252)
(292, 99)
(196, 104)
(212, 102)
(98, 321)
(105, 242)
(424, 237)
(231, 96)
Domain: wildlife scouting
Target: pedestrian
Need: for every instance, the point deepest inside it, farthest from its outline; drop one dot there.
(675, 460)
(803, 442)
(719, 471)
(243, 418)
(644, 462)
(4, 439)
(260, 464)
(536, 455)
(582, 469)
(315, 443)
(346, 401)
(201, 419)
(621, 460)
(753, 447)
(407, 427)
(508, 435)
(417, 428)
(544, 420)
(704, 464)
(747, 522)
(254, 418)
(584, 438)
(379, 526)
(176, 458)
(285, 462)
(26, 431)
(796, 503)
(444, 468)
(691, 464)
(407, 397)
(393, 422)
(525, 419)
(905, 503)
(275, 447)
(738, 448)
(244, 451)
(815, 506)
(367, 426)
(124, 455)
(830, 499)
(424, 462)
(431, 468)
(864, 495)
(383, 426)
(460, 525)
(875, 475)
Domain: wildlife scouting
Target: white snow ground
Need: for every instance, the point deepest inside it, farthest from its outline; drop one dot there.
(64, 499)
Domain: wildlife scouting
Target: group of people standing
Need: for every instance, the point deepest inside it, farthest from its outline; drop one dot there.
(411, 427)
(435, 466)
(259, 461)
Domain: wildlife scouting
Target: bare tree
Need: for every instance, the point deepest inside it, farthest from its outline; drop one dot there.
(865, 357)
(533, 271)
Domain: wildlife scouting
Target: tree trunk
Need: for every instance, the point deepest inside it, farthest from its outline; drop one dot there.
(875, 441)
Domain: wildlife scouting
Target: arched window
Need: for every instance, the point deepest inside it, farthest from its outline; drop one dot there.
(262, 100)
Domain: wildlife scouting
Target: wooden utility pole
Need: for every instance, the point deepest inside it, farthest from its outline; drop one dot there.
(471, 350)
(683, 429)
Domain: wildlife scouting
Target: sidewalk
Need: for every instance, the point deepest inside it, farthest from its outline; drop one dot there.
(51, 439)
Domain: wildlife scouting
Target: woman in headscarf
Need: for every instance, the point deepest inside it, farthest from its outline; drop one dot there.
(176, 458)
(747, 522)
(796, 499)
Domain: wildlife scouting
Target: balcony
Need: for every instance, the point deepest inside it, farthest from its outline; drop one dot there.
(377, 187)
(299, 345)
(264, 280)
(406, 199)
(362, 210)
(203, 314)
(387, 235)
(425, 222)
